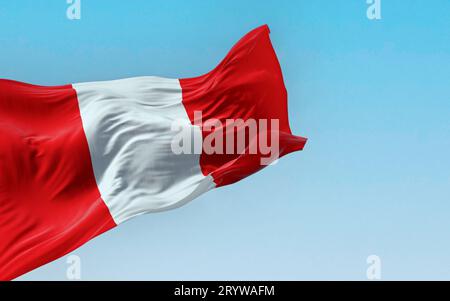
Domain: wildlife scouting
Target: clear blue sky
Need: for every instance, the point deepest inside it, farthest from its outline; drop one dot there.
(373, 97)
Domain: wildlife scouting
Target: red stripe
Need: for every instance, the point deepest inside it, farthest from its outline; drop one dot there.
(49, 200)
(247, 84)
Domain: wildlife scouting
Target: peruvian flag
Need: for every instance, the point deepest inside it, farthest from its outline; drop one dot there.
(77, 160)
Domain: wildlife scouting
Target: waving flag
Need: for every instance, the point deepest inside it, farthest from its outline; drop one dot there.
(77, 160)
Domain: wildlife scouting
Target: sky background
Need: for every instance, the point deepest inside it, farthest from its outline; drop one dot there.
(373, 97)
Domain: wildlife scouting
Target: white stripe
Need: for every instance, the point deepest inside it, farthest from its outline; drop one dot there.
(128, 127)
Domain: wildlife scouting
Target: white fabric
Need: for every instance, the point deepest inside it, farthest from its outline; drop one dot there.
(128, 127)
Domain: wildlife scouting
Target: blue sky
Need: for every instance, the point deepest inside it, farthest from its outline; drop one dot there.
(373, 97)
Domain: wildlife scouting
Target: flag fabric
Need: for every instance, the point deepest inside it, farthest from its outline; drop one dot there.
(77, 160)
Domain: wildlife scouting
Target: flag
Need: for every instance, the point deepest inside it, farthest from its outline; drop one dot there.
(77, 160)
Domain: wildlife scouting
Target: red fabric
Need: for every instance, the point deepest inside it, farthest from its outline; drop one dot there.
(49, 201)
(247, 84)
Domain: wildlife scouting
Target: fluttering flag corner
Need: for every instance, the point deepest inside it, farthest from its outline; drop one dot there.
(79, 159)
